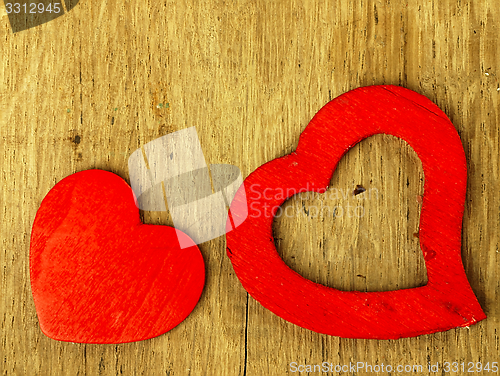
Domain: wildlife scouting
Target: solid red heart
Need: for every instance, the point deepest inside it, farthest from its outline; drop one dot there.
(99, 275)
(447, 300)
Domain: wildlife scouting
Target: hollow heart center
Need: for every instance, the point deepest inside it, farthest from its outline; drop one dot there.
(362, 233)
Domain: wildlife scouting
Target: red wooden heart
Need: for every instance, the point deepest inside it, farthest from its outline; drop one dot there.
(447, 300)
(99, 275)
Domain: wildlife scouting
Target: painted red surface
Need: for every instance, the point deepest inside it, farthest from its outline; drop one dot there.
(447, 300)
(99, 275)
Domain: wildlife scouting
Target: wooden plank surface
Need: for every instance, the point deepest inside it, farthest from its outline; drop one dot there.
(83, 91)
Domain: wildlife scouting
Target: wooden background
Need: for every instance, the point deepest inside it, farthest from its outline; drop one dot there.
(83, 91)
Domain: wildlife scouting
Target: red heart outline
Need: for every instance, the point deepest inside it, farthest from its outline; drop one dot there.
(98, 274)
(446, 302)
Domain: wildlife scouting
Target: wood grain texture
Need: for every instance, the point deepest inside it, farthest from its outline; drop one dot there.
(249, 76)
